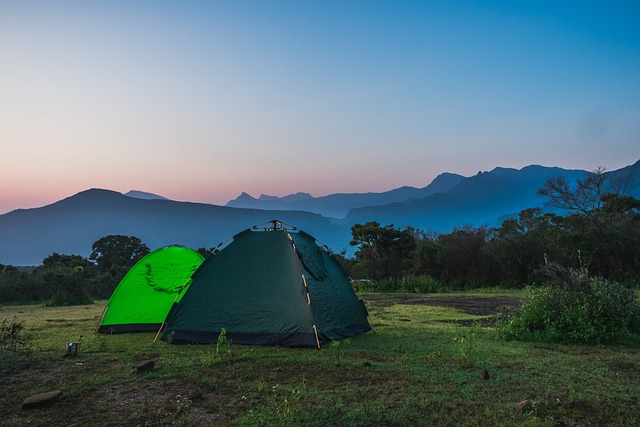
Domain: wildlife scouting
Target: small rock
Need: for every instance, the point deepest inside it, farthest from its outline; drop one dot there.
(145, 366)
(41, 399)
(525, 405)
(366, 363)
(485, 375)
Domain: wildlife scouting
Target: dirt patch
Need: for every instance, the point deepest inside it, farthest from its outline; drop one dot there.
(476, 305)
(145, 401)
(627, 366)
(160, 402)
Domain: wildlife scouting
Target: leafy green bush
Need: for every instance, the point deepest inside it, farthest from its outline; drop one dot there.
(576, 308)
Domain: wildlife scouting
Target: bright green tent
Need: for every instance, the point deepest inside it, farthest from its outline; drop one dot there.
(144, 296)
(273, 287)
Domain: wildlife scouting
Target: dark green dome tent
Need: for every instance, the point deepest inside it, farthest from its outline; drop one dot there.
(145, 294)
(272, 286)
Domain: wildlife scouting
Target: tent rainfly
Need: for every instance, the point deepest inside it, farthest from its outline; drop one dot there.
(145, 294)
(271, 286)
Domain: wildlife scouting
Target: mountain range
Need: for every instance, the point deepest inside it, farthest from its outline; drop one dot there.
(72, 225)
(339, 205)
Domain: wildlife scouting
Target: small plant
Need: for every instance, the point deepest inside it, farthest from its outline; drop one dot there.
(218, 352)
(335, 344)
(284, 409)
(223, 345)
(303, 387)
(207, 356)
(291, 404)
(262, 384)
(468, 344)
(11, 337)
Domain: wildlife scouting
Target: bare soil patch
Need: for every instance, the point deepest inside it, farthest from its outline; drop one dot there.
(476, 305)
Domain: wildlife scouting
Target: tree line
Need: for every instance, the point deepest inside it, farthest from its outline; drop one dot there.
(73, 279)
(599, 232)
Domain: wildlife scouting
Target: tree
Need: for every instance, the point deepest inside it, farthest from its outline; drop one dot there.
(428, 255)
(383, 251)
(15, 285)
(587, 195)
(464, 257)
(118, 251)
(204, 252)
(603, 230)
(67, 284)
(521, 244)
(613, 239)
(620, 204)
(56, 259)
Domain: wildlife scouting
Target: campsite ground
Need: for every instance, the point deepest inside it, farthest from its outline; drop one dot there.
(423, 366)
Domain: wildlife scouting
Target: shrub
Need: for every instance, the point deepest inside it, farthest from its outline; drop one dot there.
(11, 337)
(67, 298)
(576, 308)
(68, 286)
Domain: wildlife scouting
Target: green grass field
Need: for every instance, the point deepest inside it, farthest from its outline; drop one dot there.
(422, 366)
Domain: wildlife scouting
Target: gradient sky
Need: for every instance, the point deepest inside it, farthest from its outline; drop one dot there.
(201, 100)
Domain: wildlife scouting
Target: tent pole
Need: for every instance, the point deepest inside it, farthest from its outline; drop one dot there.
(306, 288)
(317, 339)
(315, 330)
(158, 334)
(102, 316)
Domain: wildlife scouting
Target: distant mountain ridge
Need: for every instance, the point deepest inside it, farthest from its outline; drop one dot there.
(72, 225)
(484, 199)
(144, 195)
(338, 205)
(290, 198)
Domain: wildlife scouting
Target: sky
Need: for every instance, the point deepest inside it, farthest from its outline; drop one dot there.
(202, 100)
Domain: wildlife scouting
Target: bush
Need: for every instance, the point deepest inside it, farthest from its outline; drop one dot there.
(67, 285)
(11, 337)
(576, 308)
(67, 298)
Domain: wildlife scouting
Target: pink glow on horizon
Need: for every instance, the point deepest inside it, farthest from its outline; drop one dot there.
(202, 101)
(34, 193)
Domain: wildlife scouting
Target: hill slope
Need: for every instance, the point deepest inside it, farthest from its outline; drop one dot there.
(72, 225)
